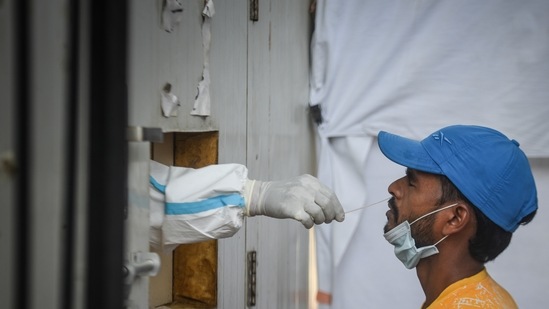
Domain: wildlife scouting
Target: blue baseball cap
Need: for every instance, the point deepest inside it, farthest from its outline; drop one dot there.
(486, 166)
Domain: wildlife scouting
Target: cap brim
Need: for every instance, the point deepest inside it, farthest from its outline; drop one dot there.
(407, 152)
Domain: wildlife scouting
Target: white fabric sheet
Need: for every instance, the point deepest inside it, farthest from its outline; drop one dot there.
(411, 67)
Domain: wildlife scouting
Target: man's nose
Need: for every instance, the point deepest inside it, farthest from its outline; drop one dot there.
(395, 188)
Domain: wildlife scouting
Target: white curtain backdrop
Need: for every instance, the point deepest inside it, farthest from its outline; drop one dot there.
(411, 67)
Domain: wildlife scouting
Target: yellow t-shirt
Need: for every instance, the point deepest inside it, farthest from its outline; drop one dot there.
(478, 291)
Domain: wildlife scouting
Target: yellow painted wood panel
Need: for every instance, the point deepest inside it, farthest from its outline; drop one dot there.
(195, 265)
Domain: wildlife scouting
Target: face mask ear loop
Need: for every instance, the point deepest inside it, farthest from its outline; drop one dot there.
(443, 238)
(432, 212)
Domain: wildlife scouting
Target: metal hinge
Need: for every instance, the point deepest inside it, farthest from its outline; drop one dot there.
(252, 267)
(254, 10)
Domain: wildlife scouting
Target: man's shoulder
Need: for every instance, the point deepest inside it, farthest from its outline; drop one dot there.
(478, 291)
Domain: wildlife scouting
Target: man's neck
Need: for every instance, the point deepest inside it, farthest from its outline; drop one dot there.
(437, 272)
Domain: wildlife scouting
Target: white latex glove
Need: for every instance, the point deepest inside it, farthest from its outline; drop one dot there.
(303, 198)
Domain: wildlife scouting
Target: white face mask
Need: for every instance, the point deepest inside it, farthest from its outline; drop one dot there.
(405, 247)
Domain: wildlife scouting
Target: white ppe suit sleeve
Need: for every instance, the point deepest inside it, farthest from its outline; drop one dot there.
(190, 205)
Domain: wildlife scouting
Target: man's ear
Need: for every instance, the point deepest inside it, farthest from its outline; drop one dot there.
(457, 219)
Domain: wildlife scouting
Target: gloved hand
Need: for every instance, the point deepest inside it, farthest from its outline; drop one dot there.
(303, 198)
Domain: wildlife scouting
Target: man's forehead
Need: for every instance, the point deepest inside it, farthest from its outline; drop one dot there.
(411, 173)
(414, 174)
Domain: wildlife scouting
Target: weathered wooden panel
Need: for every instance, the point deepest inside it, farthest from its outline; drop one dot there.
(157, 57)
(259, 94)
(280, 144)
